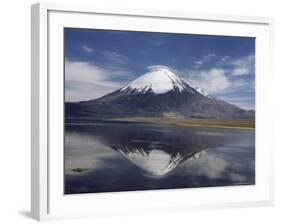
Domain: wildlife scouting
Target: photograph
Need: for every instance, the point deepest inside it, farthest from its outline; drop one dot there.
(154, 111)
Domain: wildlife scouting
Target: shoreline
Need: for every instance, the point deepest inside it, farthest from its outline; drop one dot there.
(204, 123)
(196, 123)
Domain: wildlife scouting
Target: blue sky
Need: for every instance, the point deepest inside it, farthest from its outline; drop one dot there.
(100, 61)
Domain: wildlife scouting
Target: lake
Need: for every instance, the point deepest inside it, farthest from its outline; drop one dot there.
(119, 156)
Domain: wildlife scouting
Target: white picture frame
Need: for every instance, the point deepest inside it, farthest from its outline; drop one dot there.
(48, 201)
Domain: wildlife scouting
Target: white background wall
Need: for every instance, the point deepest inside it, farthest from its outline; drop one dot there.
(15, 110)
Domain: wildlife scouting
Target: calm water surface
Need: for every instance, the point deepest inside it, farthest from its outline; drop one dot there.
(108, 157)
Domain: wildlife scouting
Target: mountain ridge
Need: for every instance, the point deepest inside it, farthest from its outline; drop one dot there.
(159, 92)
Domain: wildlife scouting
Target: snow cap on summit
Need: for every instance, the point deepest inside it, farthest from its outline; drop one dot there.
(160, 79)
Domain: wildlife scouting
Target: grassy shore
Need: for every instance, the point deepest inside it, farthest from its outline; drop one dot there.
(246, 124)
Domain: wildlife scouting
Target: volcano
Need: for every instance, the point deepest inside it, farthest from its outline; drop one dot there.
(158, 93)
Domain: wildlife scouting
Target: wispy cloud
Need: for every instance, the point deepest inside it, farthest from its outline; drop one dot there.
(222, 61)
(219, 83)
(203, 60)
(244, 65)
(110, 58)
(85, 81)
(87, 49)
(240, 71)
(114, 58)
(143, 52)
(238, 66)
(223, 77)
(213, 80)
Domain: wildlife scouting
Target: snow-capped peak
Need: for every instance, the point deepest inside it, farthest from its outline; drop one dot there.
(159, 80)
(202, 91)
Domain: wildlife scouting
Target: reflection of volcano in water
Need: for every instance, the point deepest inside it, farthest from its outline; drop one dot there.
(156, 162)
(155, 149)
(160, 152)
(129, 157)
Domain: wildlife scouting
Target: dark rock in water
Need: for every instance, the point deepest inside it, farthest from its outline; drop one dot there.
(79, 170)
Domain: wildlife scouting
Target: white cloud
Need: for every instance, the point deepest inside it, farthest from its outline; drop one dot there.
(240, 71)
(198, 62)
(240, 66)
(85, 81)
(87, 49)
(209, 56)
(244, 65)
(111, 57)
(143, 51)
(218, 82)
(225, 77)
(222, 61)
(213, 80)
(204, 60)
(115, 58)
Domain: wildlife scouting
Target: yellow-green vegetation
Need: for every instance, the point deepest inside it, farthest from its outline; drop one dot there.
(247, 124)
(79, 170)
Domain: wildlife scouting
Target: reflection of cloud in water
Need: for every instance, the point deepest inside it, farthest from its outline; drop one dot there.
(219, 165)
(84, 151)
(237, 177)
(208, 165)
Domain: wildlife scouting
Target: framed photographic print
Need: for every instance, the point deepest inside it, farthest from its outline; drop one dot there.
(142, 108)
